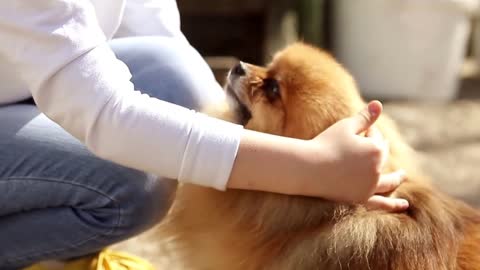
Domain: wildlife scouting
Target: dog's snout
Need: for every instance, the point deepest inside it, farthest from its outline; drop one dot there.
(239, 69)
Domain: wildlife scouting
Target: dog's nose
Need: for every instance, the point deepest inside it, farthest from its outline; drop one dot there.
(239, 69)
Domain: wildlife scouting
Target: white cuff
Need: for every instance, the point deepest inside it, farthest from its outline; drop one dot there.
(210, 152)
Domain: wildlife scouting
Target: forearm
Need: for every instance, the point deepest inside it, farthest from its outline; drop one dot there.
(272, 163)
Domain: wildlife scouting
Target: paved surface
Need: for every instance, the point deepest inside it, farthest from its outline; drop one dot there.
(447, 136)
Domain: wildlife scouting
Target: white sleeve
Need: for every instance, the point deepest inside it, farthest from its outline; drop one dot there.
(149, 18)
(61, 53)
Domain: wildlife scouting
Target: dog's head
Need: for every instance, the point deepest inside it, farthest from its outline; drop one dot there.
(299, 94)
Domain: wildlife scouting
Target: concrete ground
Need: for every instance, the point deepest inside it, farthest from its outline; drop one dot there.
(447, 137)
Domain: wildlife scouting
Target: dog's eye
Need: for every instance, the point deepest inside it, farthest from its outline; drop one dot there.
(272, 89)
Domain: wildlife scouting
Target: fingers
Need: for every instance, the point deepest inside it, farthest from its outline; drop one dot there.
(376, 137)
(365, 118)
(389, 182)
(378, 202)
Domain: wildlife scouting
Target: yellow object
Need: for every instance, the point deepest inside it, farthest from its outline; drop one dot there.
(105, 260)
(36, 267)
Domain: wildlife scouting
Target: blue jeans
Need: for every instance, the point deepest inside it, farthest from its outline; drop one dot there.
(57, 200)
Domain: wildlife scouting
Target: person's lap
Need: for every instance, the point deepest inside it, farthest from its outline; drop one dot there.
(58, 200)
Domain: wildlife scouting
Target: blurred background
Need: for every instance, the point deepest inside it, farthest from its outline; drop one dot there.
(420, 57)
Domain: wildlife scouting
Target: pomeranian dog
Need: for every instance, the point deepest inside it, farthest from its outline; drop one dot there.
(301, 93)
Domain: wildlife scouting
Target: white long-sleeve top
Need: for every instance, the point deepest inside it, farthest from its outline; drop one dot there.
(56, 50)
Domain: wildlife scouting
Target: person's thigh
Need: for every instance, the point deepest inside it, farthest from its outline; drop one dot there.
(168, 69)
(58, 200)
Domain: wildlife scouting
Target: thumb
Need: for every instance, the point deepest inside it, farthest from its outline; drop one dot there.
(367, 117)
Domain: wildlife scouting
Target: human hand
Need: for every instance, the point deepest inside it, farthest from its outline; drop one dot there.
(354, 162)
(339, 164)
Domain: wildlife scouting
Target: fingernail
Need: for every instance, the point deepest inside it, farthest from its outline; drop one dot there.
(372, 110)
(404, 204)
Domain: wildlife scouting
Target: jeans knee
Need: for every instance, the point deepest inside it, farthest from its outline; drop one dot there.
(144, 203)
(169, 69)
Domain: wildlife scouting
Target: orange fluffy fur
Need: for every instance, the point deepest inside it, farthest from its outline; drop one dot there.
(243, 230)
